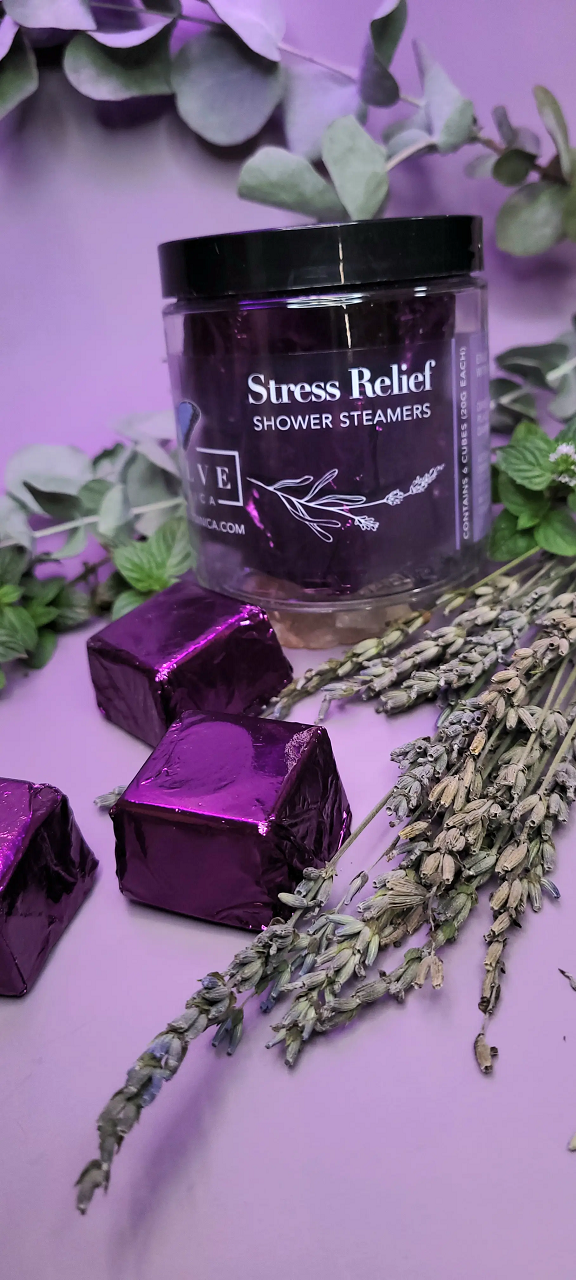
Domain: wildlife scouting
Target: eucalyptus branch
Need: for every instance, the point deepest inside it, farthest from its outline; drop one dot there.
(83, 521)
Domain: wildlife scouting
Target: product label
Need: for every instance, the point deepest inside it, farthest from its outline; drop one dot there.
(342, 469)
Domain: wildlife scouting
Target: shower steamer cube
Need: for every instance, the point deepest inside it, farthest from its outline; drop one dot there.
(186, 649)
(226, 814)
(46, 872)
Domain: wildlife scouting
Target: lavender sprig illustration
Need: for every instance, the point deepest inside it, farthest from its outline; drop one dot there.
(310, 506)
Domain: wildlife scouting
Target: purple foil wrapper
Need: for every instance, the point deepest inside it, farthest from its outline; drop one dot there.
(186, 649)
(46, 872)
(225, 814)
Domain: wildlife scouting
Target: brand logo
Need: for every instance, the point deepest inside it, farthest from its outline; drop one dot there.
(215, 477)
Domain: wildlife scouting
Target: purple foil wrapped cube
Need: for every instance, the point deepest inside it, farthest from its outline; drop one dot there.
(186, 649)
(226, 814)
(46, 872)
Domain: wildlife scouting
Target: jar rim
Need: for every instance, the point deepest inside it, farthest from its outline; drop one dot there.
(335, 255)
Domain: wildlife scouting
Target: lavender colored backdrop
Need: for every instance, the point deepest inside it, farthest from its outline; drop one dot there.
(82, 209)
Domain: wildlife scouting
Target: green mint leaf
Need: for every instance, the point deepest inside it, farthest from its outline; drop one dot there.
(506, 541)
(15, 622)
(9, 594)
(128, 600)
(528, 506)
(572, 501)
(44, 590)
(41, 614)
(557, 533)
(153, 565)
(47, 641)
(527, 458)
(13, 563)
(73, 609)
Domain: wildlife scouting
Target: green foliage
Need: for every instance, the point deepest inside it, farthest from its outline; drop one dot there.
(536, 475)
(123, 495)
(357, 166)
(229, 79)
(157, 563)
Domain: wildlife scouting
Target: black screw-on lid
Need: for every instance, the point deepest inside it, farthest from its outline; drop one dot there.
(321, 257)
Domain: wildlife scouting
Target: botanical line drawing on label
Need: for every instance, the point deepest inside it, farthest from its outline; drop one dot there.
(311, 505)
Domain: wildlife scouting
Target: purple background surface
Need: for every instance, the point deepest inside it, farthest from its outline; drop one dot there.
(386, 1152)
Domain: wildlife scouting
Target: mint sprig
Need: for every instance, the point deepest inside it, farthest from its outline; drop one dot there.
(537, 486)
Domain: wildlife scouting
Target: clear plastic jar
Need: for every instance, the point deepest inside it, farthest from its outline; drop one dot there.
(331, 394)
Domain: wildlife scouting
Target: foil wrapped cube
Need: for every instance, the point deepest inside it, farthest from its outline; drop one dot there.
(186, 649)
(46, 872)
(226, 814)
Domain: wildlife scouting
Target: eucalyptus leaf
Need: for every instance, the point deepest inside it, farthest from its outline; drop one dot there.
(556, 533)
(14, 525)
(74, 545)
(114, 515)
(403, 135)
(224, 91)
(61, 506)
(313, 98)
(18, 72)
(563, 405)
(524, 139)
(47, 641)
(357, 166)
(503, 124)
(534, 363)
(138, 426)
(66, 15)
(531, 220)
(481, 166)
(512, 167)
(115, 74)
(128, 600)
(109, 462)
(378, 87)
(569, 213)
(92, 494)
(451, 117)
(259, 23)
(135, 36)
(552, 117)
(146, 483)
(54, 468)
(387, 28)
(276, 177)
(158, 456)
(506, 540)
